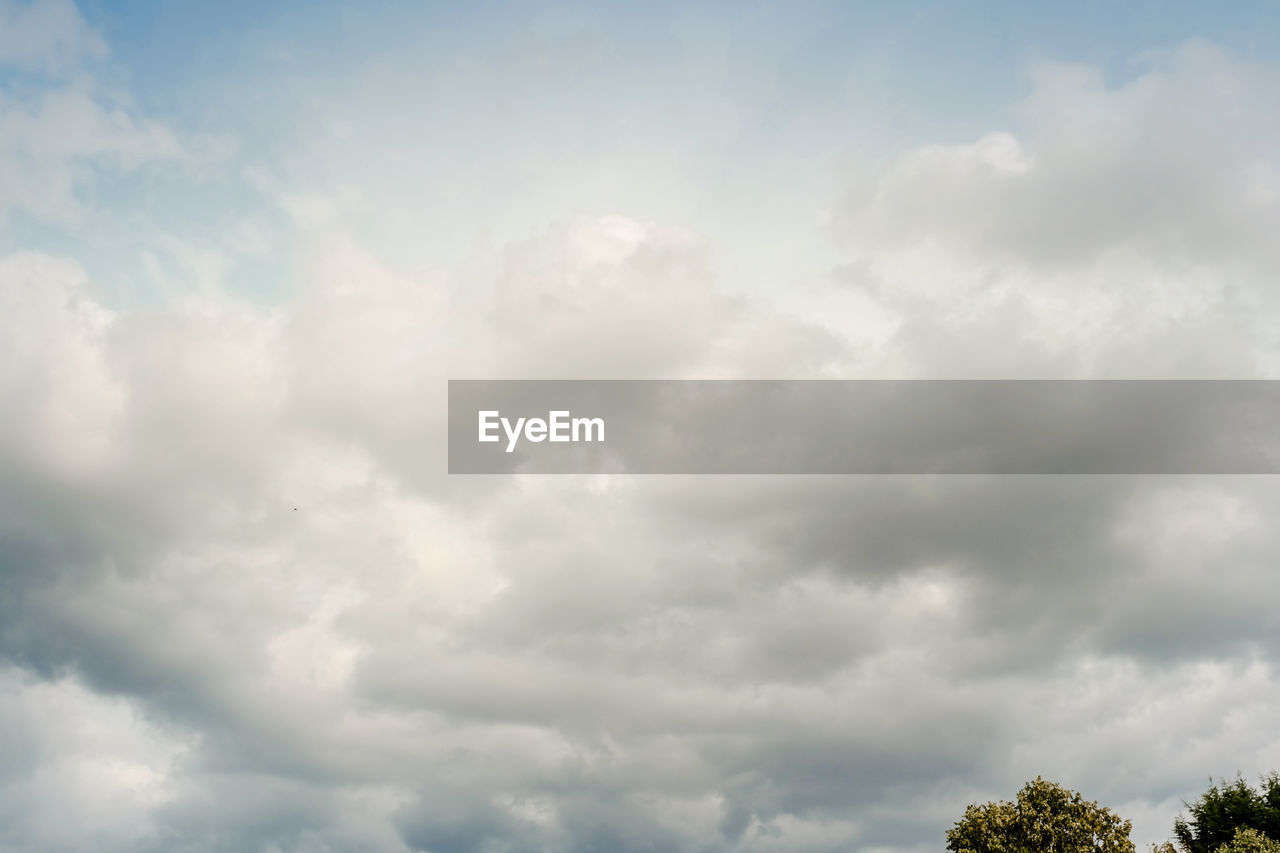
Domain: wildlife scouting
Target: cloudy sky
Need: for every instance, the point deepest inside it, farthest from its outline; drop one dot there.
(243, 245)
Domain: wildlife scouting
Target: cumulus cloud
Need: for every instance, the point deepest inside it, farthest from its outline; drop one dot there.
(227, 541)
(1122, 231)
(79, 765)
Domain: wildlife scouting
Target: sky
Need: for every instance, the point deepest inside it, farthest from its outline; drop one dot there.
(243, 607)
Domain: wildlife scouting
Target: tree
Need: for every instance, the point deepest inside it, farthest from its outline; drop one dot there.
(1250, 841)
(1244, 841)
(1226, 807)
(1045, 818)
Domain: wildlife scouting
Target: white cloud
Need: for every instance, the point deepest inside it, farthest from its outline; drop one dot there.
(1123, 231)
(63, 129)
(235, 514)
(46, 35)
(51, 143)
(79, 766)
(52, 368)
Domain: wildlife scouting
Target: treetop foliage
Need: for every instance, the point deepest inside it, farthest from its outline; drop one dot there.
(1250, 841)
(1227, 807)
(1230, 817)
(1045, 818)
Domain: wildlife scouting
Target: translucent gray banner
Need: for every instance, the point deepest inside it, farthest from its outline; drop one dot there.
(864, 427)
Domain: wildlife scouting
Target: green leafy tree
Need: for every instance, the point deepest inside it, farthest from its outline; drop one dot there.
(1245, 841)
(1045, 818)
(1250, 841)
(1227, 807)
